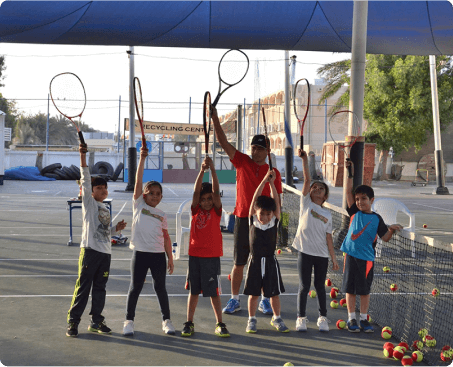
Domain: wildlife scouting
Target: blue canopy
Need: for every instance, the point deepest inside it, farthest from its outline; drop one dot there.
(394, 27)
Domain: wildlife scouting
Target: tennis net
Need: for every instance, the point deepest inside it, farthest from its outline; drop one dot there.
(418, 264)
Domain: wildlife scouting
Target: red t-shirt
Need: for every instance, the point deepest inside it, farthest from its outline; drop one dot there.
(248, 177)
(205, 235)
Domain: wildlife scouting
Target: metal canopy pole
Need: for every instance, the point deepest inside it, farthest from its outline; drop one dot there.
(358, 57)
(438, 153)
(132, 150)
(289, 151)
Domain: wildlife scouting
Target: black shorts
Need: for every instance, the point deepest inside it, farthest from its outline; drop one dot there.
(203, 276)
(263, 272)
(357, 276)
(241, 241)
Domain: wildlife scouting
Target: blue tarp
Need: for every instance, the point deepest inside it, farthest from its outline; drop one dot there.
(394, 27)
(26, 174)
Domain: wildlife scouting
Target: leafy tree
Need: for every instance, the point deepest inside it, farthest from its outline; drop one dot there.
(397, 103)
(9, 107)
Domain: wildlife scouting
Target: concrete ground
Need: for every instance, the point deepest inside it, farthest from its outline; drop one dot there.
(38, 274)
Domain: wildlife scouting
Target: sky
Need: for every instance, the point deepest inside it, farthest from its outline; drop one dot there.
(169, 77)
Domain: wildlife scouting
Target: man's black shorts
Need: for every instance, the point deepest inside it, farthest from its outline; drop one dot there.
(357, 276)
(241, 241)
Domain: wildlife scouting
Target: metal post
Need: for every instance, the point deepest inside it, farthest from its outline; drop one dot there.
(243, 127)
(190, 111)
(438, 153)
(119, 124)
(47, 126)
(132, 151)
(238, 131)
(325, 121)
(258, 122)
(289, 151)
(358, 57)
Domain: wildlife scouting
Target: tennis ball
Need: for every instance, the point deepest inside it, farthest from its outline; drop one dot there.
(407, 361)
(446, 355)
(279, 252)
(398, 353)
(334, 292)
(229, 277)
(386, 334)
(422, 333)
(429, 341)
(425, 226)
(334, 304)
(446, 347)
(343, 302)
(404, 345)
(288, 364)
(393, 287)
(435, 292)
(388, 344)
(328, 282)
(386, 328)
(417, 345)
(312, 293)
(417, 356)
(341, 324)
(386, 269)
(388, 352)
(369, 319)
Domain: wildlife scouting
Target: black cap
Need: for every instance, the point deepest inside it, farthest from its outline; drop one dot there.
(260, 140)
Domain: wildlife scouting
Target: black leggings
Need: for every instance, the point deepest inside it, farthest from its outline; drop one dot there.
(305, 263)
(140, 263)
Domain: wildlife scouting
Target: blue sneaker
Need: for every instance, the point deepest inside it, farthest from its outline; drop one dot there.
(353, 327)
(265, 307)
(232, 306)
(366, 327)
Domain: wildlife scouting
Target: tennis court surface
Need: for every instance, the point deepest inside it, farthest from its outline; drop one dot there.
(39, 270)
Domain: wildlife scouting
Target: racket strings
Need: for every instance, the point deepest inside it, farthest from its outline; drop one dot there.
(233, 67)
(339, 126)
(68, 94)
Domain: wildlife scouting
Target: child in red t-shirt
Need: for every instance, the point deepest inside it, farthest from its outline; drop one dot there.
(205, 249)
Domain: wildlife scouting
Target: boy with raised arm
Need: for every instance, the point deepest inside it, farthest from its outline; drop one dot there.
(250, 171)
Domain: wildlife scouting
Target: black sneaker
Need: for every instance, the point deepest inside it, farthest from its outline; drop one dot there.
(353, 327)
(366, 327)
(221, 330)
(100, 328)
(72, 330)
(189, 329)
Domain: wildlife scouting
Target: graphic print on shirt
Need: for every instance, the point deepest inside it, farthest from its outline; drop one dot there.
(147, 212)
(357, 235)
(103, 230)
(318, 216)
(202, 219)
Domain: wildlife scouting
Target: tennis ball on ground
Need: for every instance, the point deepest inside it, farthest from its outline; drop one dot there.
(288, 364)
(429, 341)
(341, 324)
(446, 347)
(388, 344)
(328, 282)
(435, 292)
(334, 304)
(386, 328)
(369, 319)
(312, 293)
(404, 345)
(334, 292)
(279, 252)
(343, 302)
(386, 334)
(229, 277)
(388, 352)
(417, 345)
(446, 355)
(386, 269)
(398, 353)
(422, 333)
(407, 361)
(425, 226)
(393, 287)
(417, 356)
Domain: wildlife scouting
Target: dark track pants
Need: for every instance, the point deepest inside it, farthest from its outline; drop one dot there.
(94, 268)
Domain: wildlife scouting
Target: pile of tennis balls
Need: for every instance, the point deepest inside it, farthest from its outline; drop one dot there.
(398, 352)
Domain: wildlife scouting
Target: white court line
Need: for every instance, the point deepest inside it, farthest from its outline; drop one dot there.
(34, 210)
(40, 227)
(57, 193)
(167, 188)
(434, 207)
(35, 235)
(119, 211)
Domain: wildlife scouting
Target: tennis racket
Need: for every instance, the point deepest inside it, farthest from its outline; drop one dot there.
(338, 120)
(206, 120)
(301, 104)
(233, 67)
(69, 98)
(267, 139)
(139, 107)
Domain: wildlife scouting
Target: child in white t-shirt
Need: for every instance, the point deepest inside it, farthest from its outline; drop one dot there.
(314, 243)
(151, 244)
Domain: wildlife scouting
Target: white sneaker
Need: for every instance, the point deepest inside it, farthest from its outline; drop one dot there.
(301, 324)
(128, 328)
(323, 323)
(168, 327)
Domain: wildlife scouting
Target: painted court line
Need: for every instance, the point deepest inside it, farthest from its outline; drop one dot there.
(434, 207)
(119, 211)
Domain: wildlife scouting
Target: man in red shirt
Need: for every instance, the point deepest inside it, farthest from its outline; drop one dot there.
(250, 171)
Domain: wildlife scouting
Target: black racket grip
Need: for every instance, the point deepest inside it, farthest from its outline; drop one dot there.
(302, 142)
(350, 175)
(82, 140)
